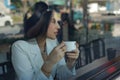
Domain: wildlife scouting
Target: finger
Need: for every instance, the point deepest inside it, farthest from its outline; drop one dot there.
(63, 49)
(77, 45)
(61, 45)
(74, 51)
(72, 54)
(72, 57)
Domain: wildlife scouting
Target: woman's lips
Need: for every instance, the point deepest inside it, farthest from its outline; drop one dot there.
(56, 33)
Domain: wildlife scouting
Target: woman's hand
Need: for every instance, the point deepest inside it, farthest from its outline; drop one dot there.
(57, 53)
(72, 56)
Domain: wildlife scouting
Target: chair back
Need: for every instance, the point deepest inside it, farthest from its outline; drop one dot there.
(84, 56)
(6, 67)
(97, 48)
(90, 51)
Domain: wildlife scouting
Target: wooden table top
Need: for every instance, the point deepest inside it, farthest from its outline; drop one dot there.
(94, 66)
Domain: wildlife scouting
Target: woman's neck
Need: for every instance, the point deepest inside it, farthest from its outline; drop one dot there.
(41, 42)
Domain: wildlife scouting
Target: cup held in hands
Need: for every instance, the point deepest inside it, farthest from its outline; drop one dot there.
(71, 45)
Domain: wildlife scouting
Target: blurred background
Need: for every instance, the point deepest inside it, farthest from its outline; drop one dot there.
(92, 19)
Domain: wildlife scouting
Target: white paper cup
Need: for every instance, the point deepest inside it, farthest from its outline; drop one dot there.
(71, 45)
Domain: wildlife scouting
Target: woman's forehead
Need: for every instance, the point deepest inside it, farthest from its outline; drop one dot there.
(53, 15)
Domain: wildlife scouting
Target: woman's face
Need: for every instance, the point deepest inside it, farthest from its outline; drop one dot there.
(53, 29)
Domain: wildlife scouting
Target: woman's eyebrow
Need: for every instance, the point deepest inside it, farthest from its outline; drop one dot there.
(53, 19)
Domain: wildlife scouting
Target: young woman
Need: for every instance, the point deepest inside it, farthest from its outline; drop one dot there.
(42, 57)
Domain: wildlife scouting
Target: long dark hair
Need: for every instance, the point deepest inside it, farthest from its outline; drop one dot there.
(38, 7)
(40, 29)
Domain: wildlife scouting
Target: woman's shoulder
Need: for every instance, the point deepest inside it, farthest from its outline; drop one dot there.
(25, 41)
(23, 46)
(19, 43)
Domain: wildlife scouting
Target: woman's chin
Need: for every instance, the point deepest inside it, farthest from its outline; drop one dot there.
(52, 38)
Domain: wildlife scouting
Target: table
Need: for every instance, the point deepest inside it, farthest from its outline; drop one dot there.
(100, 69)
(89, 67)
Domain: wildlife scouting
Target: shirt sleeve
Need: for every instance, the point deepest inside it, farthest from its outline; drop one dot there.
(23, 66)
(63, 73)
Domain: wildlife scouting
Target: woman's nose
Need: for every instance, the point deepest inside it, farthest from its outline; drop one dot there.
(58, 26)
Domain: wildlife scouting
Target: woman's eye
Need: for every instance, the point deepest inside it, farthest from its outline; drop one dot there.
(53, 21)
